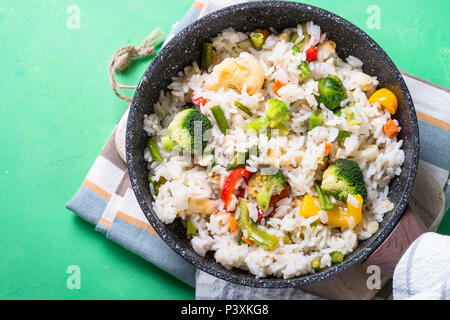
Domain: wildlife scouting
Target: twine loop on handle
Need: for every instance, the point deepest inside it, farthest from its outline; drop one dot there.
(122, 57)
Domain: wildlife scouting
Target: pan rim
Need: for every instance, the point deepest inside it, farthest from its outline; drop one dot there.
(198, 261)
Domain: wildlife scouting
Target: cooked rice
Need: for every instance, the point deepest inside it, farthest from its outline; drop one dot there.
(296, 155)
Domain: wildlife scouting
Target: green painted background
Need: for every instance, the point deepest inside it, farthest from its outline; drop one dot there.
(57, 110)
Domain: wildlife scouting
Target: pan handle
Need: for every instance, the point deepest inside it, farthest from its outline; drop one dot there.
(387, 255)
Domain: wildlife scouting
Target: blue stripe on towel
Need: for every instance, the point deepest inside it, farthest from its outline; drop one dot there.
(88, 205)
(444, 291)
(101, 228)
(152, 249)
(434, 145)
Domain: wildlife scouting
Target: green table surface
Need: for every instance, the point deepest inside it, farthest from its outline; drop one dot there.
(57, 110)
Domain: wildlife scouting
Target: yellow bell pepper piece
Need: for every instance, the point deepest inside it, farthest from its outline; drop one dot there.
(386, 98)
(338, 217)
(308, 207)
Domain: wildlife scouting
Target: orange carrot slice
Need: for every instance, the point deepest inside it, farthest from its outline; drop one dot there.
(327, 149)
(390, 128)
(247, 241)
(277, 86)
(233, 224)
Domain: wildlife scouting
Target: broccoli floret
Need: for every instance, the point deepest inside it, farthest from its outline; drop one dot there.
(263, 186)
(188, 126)
(342, 178)
(331, 92)
(276, 114)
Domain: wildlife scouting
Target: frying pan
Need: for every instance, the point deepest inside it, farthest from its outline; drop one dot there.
(186, 47)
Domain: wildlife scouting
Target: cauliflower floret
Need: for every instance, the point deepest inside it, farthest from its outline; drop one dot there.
(203, 205)
(364, 82)
(325, 50)
(237, 72)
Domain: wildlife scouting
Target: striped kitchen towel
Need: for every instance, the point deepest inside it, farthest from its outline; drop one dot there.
(106, 199)
(423, 272)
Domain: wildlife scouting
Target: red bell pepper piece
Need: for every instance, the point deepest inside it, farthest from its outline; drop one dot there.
(200, 101)
(311, 54)
(230, 184)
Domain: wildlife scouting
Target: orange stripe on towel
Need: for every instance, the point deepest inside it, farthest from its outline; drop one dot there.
(105, 223)
(198, 5)
(135, 222)
(93, 187)
(434, 121)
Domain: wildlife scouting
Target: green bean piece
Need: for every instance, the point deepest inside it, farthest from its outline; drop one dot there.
(238, 161)
(220, 118)
(324, 198)
(302, 44)
(258, 40)
(304, 69)
(206, 55)
(336, 257)
(241, 158)
(294, 37)
(190, 227)
(152, 146)
(315, 120)
(315, 264)
(253, 232)
(156, 184)
(244, 108)
(342, 135)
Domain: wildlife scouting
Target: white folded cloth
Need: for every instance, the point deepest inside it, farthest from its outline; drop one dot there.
(423, 272)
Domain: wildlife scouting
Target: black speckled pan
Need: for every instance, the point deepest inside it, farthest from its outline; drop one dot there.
(186, 47)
